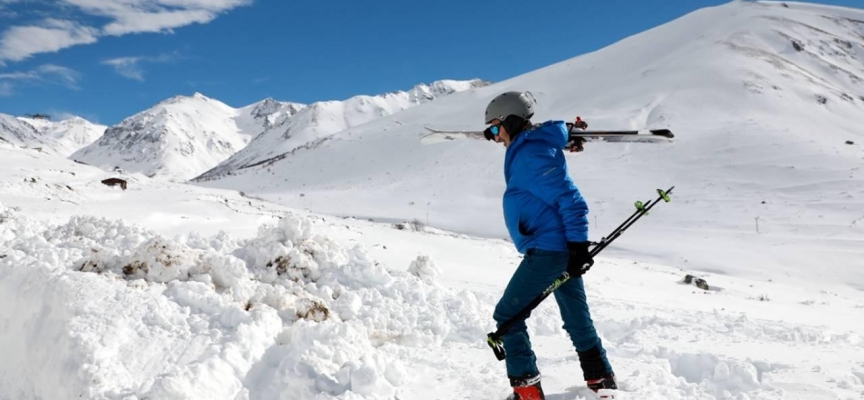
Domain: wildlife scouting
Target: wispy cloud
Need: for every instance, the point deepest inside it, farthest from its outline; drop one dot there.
(124, 17)
(67, 76)
(6, 12)
(19, 42)
(43, 74)
(3, 3)
(159, 21)
(131, 67)
(127, 66)
(261, 80)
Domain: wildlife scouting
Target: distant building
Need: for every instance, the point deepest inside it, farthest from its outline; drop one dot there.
(115, 181)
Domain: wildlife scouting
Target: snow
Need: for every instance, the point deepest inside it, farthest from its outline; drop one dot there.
(753, 146)
(175, 139)
(320, 307)
(287, 290)
(263, 115)
(251, 298)
(61, 137)
(74, 132)
(13, 131)
(185, 136)
(311, 126)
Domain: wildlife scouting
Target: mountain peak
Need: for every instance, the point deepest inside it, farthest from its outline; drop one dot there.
(61, 137)
(184, 99)
(177, 138)
(319, 121)
(74, 120)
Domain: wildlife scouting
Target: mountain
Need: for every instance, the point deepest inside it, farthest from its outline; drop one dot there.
(319, 121)
(72, 133)
(60, 138)
(175, 139)
(182, 137)
(763, 98)
(16, 132)
(265, 114)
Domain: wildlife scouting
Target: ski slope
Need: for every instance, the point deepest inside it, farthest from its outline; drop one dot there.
(175, 292)
(764, 175)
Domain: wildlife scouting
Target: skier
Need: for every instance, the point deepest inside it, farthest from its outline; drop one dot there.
(546, 217)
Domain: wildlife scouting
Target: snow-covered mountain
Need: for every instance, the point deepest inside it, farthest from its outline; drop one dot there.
(174, 291)
(265, 114)
(72, 133)
(59, 138)
(175, 139)
(182, 137)
(38, 123)
(762, 96)
(319, 121)
(19, 133)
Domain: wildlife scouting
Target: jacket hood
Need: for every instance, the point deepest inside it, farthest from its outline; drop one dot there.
(553, 133)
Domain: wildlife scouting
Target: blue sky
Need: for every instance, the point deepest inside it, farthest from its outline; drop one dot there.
(106, 60)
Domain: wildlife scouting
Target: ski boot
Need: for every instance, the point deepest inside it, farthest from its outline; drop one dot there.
(526, 389)
(604, 387)
(598, 376)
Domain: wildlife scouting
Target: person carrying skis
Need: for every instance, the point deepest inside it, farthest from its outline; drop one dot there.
(546, 217)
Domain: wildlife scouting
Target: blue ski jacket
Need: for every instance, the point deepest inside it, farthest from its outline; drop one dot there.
(543, 209)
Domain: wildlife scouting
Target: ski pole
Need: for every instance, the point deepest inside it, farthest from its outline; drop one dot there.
(614, 233)
(493, 339)
(640, 211)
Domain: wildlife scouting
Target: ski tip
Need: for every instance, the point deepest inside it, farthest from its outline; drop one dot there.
(663, 132)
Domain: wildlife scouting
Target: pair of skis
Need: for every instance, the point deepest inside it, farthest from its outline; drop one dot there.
(647, 135)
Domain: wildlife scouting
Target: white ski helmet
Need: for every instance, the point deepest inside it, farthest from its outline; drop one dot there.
(520, 104)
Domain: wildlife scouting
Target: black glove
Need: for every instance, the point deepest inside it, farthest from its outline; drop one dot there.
(580, 260)
(579, 123)
(576, 143)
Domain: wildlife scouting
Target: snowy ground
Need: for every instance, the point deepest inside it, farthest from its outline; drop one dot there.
(172, 291)
(152, 301)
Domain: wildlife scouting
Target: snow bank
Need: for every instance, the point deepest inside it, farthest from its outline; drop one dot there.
(100, 309)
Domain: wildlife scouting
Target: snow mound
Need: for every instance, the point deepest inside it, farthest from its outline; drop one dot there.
(132, 314)
(424, 268)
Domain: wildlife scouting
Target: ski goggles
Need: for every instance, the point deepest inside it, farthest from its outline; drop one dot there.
(492, 131)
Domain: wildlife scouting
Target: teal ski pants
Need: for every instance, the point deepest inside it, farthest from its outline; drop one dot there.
(538, 269)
